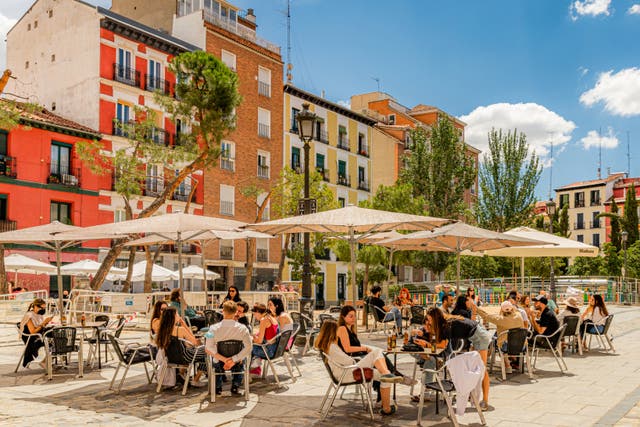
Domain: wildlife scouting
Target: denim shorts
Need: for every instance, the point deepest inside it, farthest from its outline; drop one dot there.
(481, 338)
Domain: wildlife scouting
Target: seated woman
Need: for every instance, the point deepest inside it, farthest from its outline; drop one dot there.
(403, 300)
(154, 324)
(572, 308)
(276, 308)
(463, 307)
(34, 322)
(241, 314)
(170, 331)
(233, 294)
(593, 317)
(327, 342)
(268, 329)
(195, 318)
(475, 299)
(525, 304)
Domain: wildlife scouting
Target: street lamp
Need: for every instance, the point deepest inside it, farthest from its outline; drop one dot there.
(551, 211)
(306, 122)
(624, 235)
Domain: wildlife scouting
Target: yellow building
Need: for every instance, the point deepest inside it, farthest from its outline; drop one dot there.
(341, 152)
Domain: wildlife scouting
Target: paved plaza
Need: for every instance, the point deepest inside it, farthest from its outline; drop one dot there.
(599, 389)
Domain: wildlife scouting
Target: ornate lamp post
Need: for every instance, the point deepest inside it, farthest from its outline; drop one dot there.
(306, 123)
(551, 211)
(625, 298)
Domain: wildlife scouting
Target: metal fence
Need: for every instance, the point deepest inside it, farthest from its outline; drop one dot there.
(14, 306)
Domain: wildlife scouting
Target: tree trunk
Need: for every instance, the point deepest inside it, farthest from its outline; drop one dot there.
(148, 270)
(132, 259)
(283, 256)
(4, 289)
(115, 250)
(251, 254)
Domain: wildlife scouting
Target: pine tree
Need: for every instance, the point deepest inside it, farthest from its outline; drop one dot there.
(630, 215)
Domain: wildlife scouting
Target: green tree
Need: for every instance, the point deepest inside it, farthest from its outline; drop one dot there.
(208, 96)
(614, 220)
(507, 179)
(562, 228)
(633, 260)
(474, 267)
(587, 266)
(399, 197)
(630, 215)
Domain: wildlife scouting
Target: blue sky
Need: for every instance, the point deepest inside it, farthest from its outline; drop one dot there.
(565, 72)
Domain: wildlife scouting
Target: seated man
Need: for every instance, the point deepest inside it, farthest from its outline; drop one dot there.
(547, 322)
(229, 329)
(390, 312)
(551, 303)
(447, 303)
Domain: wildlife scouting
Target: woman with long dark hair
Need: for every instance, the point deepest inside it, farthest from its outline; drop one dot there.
(170, 331)
(593, 317)
(462, 307)
(233, 294)
(158, 308)
(276, 307)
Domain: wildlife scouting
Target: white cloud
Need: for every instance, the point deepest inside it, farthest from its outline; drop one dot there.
(589, 7)
(583, 71)
(595, 140)
(634, 9)
(620, 92)
(5, 25)
(542, 126)
(344, 103)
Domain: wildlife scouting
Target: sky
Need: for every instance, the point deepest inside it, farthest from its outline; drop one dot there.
(564, 72)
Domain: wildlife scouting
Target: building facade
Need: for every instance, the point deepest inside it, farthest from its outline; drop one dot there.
(585, 201)
(619, 195)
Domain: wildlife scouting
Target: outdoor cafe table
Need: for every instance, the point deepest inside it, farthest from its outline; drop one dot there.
(83, 327)
(424, 352)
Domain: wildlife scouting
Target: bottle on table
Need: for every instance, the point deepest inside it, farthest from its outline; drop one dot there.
(83, 320)
(389, 347)
(433, 343)
(406, 338)
(394, 336)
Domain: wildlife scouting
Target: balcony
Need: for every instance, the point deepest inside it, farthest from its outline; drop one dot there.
(595, 202)
(63, 174)
(344, 180)
(578, 226)
(126, 75)
(226, 252)
(153, 186)
(8, 166)
(226, 208)
(595, 224)
(263, 171)
(182, 193)
(343, 142)
(324, 173)
(363, 185)
(262, 255)
(154, 83)
(7, 225)
(264, 130)
(124, 129)
(228, 163)
(160, 137)
(240, 30)
(579, 204)
(264, 89)
(321, 136)
(363, 149)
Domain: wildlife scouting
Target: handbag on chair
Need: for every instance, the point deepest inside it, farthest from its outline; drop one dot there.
(368, 374)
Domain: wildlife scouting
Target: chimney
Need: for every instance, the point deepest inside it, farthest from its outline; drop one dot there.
(322, 94)
(250, 16)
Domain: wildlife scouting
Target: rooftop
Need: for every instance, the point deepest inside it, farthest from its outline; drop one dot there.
(592, 183)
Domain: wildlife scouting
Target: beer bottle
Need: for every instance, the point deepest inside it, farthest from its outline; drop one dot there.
(433, 344)
(394, 336)
(83, 319)
(406, 338)
(389, 348)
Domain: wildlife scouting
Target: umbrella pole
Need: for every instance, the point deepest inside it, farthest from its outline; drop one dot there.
(204, 274)
(352, 251)
(458, 271)
(179, 241)
(522, 272)
(60, 299)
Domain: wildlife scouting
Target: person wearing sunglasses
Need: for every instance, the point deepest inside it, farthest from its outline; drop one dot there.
(233, 294)
(33, 323)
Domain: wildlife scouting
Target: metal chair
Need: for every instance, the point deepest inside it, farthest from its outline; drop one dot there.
(417, 316)
(324, 317)
(379, 315)
(133, 354)
(59, 342)
(604, 338)
(551, 343)
(447, 388)
(572, 333)
(363, 385)
(228, 348)
(26, 344)
(287, 351)
(283, 340)
(212, 317)
(306, 329)
(335, 309)
(517, 346)
(99, 337)
(176, 350)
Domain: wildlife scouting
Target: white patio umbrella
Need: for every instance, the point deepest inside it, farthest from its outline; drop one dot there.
(48, 236)
(196, 272)
(350, 220)
(456, 238)
(23, 264)
(86, 267)
(158, 273)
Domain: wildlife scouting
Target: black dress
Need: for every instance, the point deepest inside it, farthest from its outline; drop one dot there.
(353, 342)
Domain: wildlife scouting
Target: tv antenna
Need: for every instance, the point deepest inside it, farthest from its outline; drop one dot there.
(377, 80)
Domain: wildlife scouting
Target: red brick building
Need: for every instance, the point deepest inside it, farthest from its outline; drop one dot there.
(620, 188)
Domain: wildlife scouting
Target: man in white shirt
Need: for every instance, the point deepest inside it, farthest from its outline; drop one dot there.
(229, 329)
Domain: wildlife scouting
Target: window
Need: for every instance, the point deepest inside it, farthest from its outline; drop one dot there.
(3, 214)
(226, 249)
(363, 149)
(264, 82)
(579, 200)
(363, 182)
(342, 202)
(119, 215)
(595, 197)
(227, 199)
(265, 213)
(596, 240)
(579, 221)
(228, 156)
(60, 211)
(564, 200)
(123, 118)
(50, 12)
(294, 121)
(3, 143)
(183, 191)
(154, 181)
(343, 141)
(229, 59)
(580, 238)
(408, 273)
(60, 167)
(319, 161)
(262, 250)
(595, 221)
(264, 123)
(35, 24)
(124, 69)
(343, 178)
(53, 57)
(392, 119)
(342, 282)
(263, 164)
(154, 76)
(295, 159)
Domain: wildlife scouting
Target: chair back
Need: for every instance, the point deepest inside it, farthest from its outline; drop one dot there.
(607, 324)
(300, 321)
(119, 327)
(335, 309)
(417, 315)
(102, 318)
(557, 337)
(377, 315)
(212, 317)
(295, 330)
(229, 348)
(516, 340)
(572, 325)
(324, 317)
(325, 362)
(63, 340)
(116, 347)
(283, 341)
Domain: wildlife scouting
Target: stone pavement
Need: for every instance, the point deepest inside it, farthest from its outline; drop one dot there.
(600, 389)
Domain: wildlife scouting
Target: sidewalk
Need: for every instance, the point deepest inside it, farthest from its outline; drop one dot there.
(599, 389)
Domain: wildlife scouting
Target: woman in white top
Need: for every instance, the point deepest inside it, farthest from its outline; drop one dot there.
(594, 316)
(327, 342)
(32, 323)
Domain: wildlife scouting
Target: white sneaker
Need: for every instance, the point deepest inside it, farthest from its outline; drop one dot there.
(197, 384)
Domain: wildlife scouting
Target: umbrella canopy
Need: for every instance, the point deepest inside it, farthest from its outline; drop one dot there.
(158, 273)
(349, 220)
(195, 272)
(168, 238)
(48, 236)
(86, 267)
(456, 238)
(24, 264)
(553, 246)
